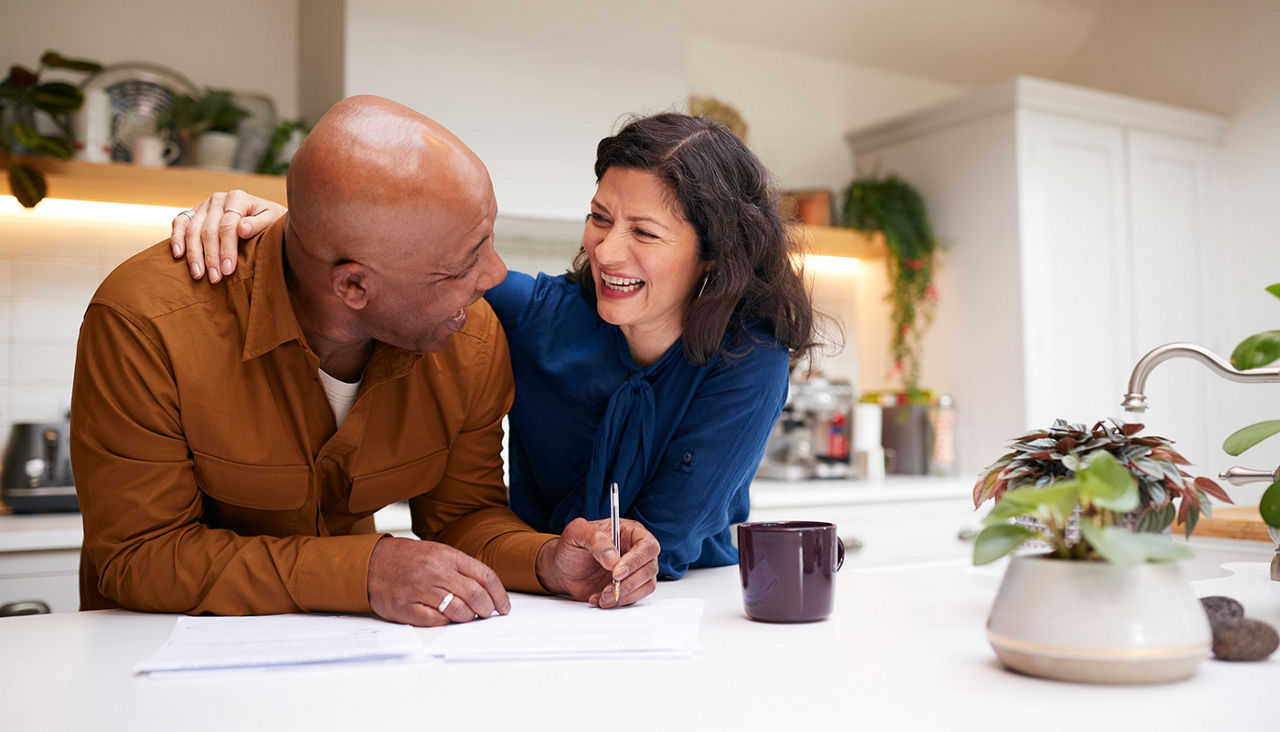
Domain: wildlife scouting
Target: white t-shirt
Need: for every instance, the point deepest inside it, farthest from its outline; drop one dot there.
(341, 394)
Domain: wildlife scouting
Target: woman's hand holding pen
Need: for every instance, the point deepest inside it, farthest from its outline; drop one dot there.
(582, 563)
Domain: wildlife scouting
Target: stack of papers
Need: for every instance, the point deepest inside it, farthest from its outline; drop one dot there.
(554, 628)
(274, 641)
(536, 628)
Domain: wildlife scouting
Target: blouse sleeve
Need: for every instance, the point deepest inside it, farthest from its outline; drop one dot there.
(510, 299)
(701, 486)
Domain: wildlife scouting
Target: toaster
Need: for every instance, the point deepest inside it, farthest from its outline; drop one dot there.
(36, 473)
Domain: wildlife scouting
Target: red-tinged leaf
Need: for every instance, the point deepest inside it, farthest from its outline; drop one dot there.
(978, 490)
(1039, 455)
(1132, 429)
(21, 77)
(1065, 444)
(1168, 455)
(1183, 510)
(998, 489)
(1213, 489)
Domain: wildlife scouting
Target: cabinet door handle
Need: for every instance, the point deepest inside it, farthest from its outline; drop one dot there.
(23, 607)
(966, 534)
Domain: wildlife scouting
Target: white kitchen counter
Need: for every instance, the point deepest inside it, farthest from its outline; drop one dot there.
(905, 650)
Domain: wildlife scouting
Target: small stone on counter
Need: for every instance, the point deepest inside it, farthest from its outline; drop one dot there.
(1221, 610)
(1243, 639)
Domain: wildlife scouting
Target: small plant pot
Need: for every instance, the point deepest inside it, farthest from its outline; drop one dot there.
(217, 150)
(1096, 622)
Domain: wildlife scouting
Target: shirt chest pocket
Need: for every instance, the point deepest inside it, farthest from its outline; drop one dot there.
(253, 499)
(372, 491)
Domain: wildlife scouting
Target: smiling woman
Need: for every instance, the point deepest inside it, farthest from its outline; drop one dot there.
(660, 361)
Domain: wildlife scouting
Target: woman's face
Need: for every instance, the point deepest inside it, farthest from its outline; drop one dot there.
(644, 256)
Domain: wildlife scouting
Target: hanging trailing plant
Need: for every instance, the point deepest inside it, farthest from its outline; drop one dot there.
(892, 206)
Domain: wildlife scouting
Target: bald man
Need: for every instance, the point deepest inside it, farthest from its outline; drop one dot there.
(231, 443)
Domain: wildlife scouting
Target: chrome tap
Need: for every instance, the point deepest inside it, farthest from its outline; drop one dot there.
(1136, 399)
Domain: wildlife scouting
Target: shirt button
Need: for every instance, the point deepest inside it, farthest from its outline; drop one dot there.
(687, 457)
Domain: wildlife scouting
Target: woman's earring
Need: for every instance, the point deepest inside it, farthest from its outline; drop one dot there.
(703, 289)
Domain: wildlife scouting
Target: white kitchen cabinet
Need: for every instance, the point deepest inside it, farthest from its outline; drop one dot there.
(1082, 227)
(898, 520)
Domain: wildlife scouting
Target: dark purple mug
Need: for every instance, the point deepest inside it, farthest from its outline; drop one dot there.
(789, 569)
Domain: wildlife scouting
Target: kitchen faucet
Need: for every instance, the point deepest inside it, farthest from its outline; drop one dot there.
(1136, 401)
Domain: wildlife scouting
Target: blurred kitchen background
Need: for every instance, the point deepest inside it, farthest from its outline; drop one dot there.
(1020, 336)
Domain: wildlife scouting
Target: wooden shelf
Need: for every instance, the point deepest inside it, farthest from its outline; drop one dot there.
(120, 183)
(834, 241)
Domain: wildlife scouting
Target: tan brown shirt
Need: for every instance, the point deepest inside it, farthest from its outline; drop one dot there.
(209, 471)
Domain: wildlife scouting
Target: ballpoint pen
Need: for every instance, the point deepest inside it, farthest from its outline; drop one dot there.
(617, 533)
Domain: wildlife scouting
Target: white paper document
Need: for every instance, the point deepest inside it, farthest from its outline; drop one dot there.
(272, 641)
(550, 628)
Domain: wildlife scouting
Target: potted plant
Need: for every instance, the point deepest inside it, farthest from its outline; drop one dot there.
(892, 206)
(285, 139)
(209, 123)
(1256, 351)
(1108, 607)
(1043, 457)
(22, 96)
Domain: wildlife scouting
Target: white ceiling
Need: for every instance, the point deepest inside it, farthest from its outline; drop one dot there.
(1182, 51)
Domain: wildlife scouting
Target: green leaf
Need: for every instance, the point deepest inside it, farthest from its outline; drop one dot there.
(27, 184)
(1257, 350)
(1269, 505)
(1156, 520)
(55, 60)
(1274, 289)
(1060, 499)
(1106, 484)
(1112, 543)
(26, 136)
(994, 542)
(1246, 437)
(57, 98)
(1160, 548)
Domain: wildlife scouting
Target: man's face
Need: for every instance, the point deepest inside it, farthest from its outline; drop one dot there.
(449, 262)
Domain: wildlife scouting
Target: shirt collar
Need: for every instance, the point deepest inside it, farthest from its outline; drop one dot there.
(272, 321)
(271, 317)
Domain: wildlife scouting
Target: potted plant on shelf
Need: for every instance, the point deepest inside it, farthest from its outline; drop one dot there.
(892, 206)
(1256, 351)
(1106, 603)
(209, 123)
(22, 95)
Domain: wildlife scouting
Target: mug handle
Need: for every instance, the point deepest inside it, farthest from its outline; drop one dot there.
(839, 553)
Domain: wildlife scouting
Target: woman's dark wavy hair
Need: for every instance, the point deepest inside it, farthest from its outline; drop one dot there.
(724, 192)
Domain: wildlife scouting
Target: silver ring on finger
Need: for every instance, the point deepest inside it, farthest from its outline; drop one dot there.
(232, 210)
(444, 603)
(188, 213)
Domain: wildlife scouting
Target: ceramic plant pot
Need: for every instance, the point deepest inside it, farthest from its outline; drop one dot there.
(1098, 622)
(217, 150)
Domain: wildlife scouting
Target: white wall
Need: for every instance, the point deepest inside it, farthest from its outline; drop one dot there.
(245, 45)
(531, 87)
(799, 107)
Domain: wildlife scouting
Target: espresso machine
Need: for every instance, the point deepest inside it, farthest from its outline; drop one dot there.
(813, 437)
(37, 469)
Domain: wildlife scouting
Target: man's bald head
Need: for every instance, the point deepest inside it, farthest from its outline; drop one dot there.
(373, 170)
(389, 234)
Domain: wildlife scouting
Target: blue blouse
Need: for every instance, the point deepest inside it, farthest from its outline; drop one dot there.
(681, 441)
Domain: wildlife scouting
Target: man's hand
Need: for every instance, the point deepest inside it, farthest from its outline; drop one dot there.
(409, 579)
(582, 563)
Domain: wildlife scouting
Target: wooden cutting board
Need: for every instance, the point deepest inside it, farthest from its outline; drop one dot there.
(1234, 522)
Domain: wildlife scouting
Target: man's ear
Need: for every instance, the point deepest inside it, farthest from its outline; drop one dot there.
(351, 282)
